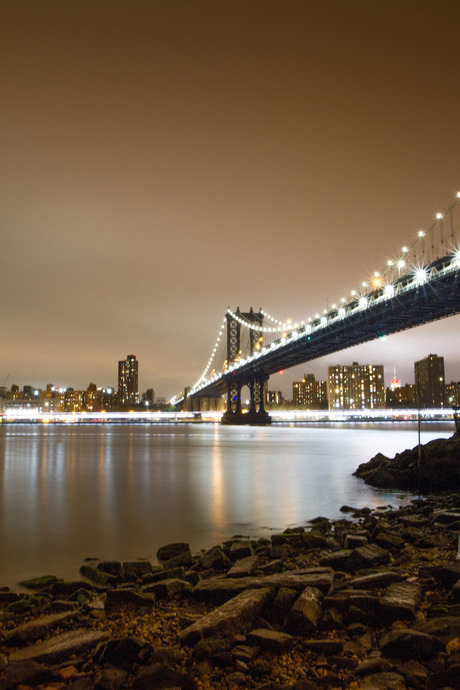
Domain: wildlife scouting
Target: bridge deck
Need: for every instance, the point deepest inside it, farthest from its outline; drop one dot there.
(412, 305)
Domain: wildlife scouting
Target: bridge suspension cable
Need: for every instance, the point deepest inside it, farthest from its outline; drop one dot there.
(412, 266)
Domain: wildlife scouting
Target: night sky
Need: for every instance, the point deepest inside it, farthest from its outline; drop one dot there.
(161, 161)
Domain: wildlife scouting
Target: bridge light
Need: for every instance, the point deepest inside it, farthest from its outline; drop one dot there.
(389, 290)
(341, 312)
(458, 195)
(421, 276)
(405, 249)
(390, 262)
(421, 233)
(457, 257)
(376, 282)
(323, 321)
(363, 302)
(439, 216)
(401, 264)
(364, 284)
(353, 293)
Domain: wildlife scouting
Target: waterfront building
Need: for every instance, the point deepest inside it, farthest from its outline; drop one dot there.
(400, 396)
(128, 375)
(149, 396)
(453, 394)
(14, 393)
(274, 398)
(108, 398)
(93, 398)
(430, 382)
(356, 387)
(74, 400)
(310, 393)
(51, 400)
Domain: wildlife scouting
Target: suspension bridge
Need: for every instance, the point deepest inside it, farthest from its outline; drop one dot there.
(421, 283)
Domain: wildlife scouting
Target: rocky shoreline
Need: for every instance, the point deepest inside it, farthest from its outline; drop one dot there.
(368, 601)
(435, 466)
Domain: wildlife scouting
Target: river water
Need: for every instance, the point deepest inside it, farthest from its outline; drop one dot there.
(118, 492)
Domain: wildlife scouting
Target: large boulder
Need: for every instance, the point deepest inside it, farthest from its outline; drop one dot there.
(436, 467)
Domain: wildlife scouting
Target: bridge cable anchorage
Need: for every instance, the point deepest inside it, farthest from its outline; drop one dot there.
(432, 254)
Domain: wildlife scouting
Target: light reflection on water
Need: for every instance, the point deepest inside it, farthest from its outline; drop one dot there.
(120, 491)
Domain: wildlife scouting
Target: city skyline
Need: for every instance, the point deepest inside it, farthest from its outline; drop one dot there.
(128, 370)
(165, 161)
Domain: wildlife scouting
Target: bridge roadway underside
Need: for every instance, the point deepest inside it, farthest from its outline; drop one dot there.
(434, 300)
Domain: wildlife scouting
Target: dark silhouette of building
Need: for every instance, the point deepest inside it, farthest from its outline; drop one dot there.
(274, 398)
(149, 396)
(402, 396)
(430, 388)
(128, 376)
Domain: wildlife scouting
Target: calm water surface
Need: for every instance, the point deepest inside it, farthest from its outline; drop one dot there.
(121, 491)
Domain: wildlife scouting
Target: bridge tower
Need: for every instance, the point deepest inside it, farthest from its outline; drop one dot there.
(255, 380)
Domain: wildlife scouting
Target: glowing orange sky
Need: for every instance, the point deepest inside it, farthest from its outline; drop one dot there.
(164, 160)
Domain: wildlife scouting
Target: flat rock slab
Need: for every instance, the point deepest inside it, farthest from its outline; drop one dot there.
(215, 558)
(35, 629)
(375, 580)
(240, 549)
(127, 599)
(384, 681)
(338, 560)
(446, 628)
(166, 588)
(306, 612)
(410, 644)
(369, 556)
(270, 640)
(222, 588)
(25, 673)
(401, 600)
(344, 598)
(327, 647)
(243, 567)
(233, 617)
(165, 553)
(61, 647)
(445, 517)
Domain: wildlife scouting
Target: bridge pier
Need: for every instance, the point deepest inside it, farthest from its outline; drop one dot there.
(234, 414)
(256, 415)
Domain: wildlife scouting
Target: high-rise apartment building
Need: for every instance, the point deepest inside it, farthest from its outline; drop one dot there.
(356, 387)
(430, 382)
(128, 375)
(310, 392)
